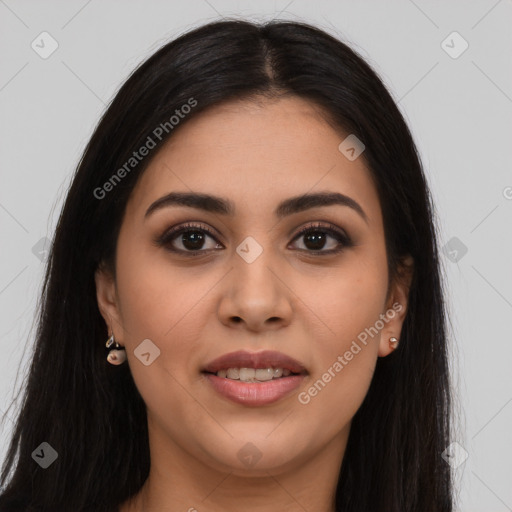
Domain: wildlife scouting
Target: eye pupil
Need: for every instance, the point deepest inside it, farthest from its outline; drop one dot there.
(196, 238)
(318, 239)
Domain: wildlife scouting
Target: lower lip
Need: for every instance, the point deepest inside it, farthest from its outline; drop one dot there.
(255, 393)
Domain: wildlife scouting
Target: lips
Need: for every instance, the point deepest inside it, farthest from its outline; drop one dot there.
(264, 359)
(255, 394)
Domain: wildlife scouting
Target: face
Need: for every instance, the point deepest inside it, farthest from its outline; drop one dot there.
(248, 280)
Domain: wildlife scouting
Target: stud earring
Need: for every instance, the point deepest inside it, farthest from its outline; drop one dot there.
(393, 343)
(116, 355)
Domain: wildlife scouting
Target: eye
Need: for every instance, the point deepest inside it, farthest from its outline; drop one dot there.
(315, 236)
(192, 237)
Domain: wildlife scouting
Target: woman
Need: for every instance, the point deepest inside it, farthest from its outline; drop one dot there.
(243, 301)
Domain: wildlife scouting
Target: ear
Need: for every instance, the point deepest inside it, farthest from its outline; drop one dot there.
(106, 295)
(396, 306)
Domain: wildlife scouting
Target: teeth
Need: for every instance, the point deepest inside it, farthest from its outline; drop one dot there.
(247, 374)
(233, 373)
(254, 374)
(265, 374)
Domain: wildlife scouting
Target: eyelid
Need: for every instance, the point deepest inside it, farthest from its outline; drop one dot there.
(322, 225)
(190, 225)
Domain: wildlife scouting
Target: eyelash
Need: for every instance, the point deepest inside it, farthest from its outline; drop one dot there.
(167, 237)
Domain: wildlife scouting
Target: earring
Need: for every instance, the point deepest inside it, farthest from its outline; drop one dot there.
(115, 355)
(393, 343)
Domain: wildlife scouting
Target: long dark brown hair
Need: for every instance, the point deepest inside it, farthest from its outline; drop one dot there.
(92, 413)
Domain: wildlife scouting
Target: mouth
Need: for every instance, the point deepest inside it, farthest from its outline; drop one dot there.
(254, 366)
(253, 374)
(254, 379)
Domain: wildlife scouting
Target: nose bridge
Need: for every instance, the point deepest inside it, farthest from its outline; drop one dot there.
(254, 260)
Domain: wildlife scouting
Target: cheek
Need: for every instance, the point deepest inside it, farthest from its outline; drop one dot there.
(336, 392)
(156, 297)
(349, 298)
(346, 356)
(162, 304)
(165, 304)
(349, 304)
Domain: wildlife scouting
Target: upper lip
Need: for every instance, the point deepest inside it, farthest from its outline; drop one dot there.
(264, 359)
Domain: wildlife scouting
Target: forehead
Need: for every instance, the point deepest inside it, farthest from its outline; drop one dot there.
(257, 153)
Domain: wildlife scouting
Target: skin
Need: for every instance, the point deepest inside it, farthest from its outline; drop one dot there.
(309, 307)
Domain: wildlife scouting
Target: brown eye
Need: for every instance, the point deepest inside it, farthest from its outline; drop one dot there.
(191, 237)
(316, 237)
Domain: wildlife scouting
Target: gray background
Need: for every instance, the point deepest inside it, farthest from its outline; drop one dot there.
(459, 110)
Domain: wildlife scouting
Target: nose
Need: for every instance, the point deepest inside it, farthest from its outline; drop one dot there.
(255, 296)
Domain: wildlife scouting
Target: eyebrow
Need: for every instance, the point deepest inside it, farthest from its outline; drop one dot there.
(222, 206)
